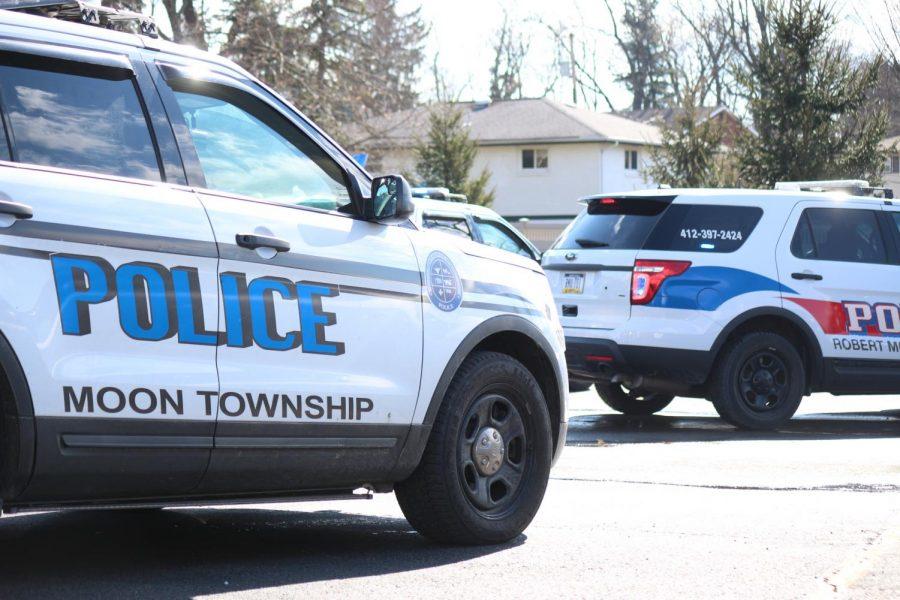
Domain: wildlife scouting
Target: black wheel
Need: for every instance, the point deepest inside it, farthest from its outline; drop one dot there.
(631, 403)
(579, 385)
(485, 467)
(758, 383)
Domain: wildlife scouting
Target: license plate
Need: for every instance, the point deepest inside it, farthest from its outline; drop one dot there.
(573, 283)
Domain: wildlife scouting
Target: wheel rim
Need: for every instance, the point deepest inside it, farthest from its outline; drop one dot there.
(492, 453)
(763, 381)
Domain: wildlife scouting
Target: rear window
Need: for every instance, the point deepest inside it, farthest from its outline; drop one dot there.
(704, 228)
(619, 224)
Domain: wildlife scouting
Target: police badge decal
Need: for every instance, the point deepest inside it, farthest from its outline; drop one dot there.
(443, 283)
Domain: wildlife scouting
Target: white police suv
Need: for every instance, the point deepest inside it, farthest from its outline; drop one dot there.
(181, 323)
(473, 222)
(751, 299)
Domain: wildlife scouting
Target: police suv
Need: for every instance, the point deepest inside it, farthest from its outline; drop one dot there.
(752, 299)
(183, 323)
(473, 222)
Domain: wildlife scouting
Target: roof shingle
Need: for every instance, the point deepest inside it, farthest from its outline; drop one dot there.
(526, 121)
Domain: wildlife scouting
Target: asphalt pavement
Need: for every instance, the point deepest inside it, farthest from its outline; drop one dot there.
(675, 505)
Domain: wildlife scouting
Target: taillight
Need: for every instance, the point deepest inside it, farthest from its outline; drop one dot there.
(648, 277)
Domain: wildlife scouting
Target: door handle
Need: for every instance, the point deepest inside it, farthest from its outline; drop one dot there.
(253, 241)
(14, 209)
(807, 276)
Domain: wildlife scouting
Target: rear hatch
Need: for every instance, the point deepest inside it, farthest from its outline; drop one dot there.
(590, 265)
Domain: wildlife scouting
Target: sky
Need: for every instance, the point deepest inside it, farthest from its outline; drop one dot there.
(462, 33)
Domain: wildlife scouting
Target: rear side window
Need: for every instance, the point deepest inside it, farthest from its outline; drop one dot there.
(496, 235)
(620, 224)
(704, 228)
(839, 234)
(4, 143)
(458, 227)
(61, 117)
(4, 147)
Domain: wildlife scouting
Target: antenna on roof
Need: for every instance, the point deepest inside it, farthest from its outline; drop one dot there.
(81, 12)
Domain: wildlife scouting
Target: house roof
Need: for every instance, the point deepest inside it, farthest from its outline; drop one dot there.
(667, 116)
(526, 121)
(890, 142)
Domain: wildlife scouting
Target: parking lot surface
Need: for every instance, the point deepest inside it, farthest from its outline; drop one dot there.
(676, 505)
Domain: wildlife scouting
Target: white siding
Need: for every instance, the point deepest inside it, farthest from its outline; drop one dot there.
(892, 180)
(574, 171)
(615, 177)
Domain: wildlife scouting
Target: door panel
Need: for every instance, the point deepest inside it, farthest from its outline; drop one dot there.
(322, 313)
(113, 282)
(320, 371)
(112, 314)
(837, 262)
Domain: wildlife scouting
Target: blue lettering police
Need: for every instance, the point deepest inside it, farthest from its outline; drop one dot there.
(156, 303)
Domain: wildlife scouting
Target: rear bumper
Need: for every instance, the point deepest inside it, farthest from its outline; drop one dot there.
(596, 359)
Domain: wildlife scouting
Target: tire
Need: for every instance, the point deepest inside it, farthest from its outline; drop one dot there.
(579, 386)
(758, 382)
(450, 499)
(631, 403)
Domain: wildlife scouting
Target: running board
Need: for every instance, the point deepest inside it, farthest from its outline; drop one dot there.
(188, 503)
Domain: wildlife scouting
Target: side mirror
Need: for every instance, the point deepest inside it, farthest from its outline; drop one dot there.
(391, 200)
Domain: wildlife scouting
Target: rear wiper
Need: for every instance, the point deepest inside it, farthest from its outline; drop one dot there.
(591, 244)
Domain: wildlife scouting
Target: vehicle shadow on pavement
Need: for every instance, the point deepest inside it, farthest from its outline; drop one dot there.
(588, 430)
(182, 553)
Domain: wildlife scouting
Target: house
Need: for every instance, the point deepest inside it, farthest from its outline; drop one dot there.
(543, 155)
(730, 124)
(892, 163)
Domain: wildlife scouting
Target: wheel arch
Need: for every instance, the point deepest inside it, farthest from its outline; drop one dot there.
(783, 322)
(17, 432)
(507, 334)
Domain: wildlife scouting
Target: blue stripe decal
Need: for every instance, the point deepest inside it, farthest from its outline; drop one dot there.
(708, 288)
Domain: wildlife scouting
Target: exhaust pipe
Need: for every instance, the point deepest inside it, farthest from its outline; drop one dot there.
(649, 385)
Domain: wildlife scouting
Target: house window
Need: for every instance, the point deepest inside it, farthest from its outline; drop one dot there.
(893, 165)
(631, 160)
(534, 159)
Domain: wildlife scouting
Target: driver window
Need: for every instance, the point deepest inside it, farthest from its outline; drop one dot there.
(846, 235)
(247, 148)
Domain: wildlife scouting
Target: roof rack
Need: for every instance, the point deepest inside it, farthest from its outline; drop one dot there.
(854, 187)
(82, 12)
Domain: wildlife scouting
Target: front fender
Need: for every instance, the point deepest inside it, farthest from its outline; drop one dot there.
(415, 443)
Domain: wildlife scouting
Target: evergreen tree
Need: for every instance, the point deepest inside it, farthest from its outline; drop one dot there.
(340, 60)
(260, 41)
(446, 156)
(691, 154)
(808, 100)
(392, 50)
